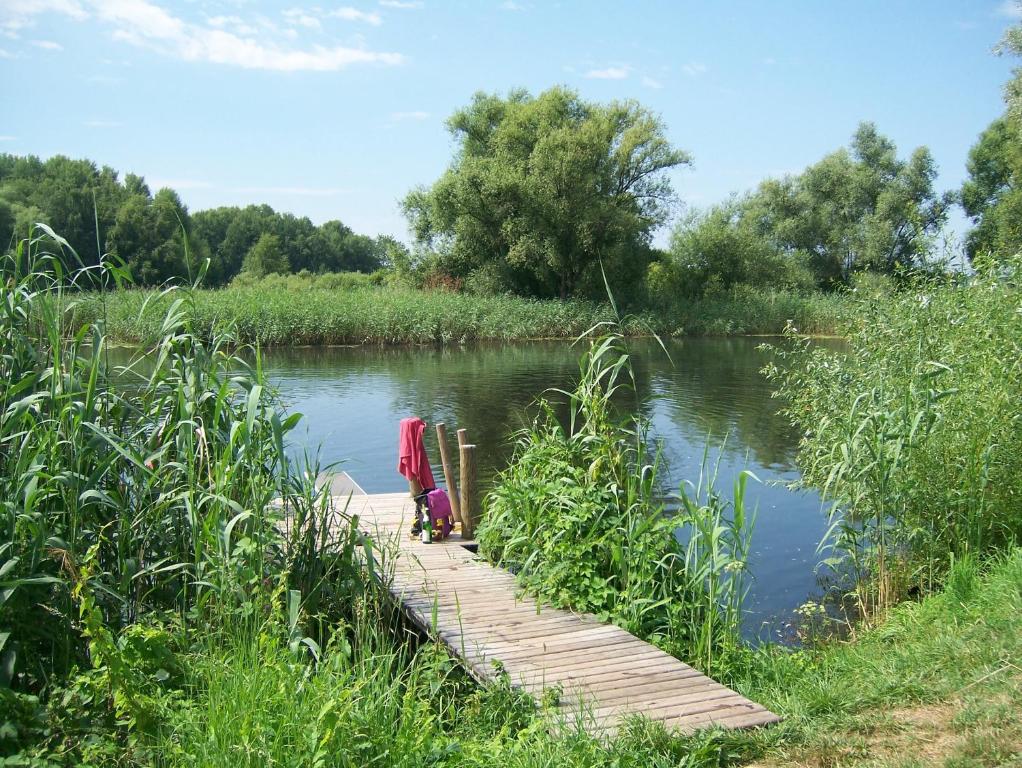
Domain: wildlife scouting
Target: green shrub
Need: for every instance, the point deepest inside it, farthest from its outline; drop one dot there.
(915, 428)
(578, 515)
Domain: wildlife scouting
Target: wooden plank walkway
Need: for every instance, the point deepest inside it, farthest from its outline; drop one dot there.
(603, 673)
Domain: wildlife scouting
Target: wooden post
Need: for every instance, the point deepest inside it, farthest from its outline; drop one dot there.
(462, 437)
(469, 496)
(445, 459)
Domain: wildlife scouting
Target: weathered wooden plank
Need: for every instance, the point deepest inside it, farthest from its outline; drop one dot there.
(604, 673)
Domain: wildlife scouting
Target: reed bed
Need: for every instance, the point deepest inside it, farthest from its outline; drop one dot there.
(913, 430)
(579, 515)
(749, 311)
(279, 316)
(291, 311)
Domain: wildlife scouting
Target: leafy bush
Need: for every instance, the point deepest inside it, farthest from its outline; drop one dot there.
(578, 515)
(915, 429)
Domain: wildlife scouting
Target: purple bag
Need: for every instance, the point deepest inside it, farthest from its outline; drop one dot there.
(440, 515)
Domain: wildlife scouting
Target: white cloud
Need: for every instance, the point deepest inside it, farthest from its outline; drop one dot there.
(1010, 8)
(8, 138)
(145, 24)
(406, 4)
(5, 54)
(101, 124)
(610, 73)
(353, 14)
(769, 61)
(415, 115)
(694, 69)
(16, 15)
(301, 18)
(47, 45)
(650, 82)
(511, 5)
(238, 25)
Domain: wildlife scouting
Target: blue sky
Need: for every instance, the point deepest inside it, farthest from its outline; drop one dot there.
(336, 110)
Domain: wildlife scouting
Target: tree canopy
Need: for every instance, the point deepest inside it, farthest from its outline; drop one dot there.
(859, 208)
(542, 189)
(992, 195)
(99, 214)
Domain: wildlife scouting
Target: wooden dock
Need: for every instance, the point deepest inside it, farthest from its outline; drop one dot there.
(602, 673)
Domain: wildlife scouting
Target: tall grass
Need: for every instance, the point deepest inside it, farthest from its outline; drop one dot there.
(915, 429)
(324, 310)
(157, 488)
(579, 515)
(272, 314)
(746, 310)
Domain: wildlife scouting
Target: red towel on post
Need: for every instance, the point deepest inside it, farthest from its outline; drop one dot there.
(412, 460)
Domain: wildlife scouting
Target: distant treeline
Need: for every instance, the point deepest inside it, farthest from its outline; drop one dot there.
(553, 196)
(98, 213)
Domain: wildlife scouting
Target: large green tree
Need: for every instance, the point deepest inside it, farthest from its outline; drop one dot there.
(992, 195)
(154, 237)
(98, 214)
(543, 189)
(857, 209)
(860, 208)
(266, 257)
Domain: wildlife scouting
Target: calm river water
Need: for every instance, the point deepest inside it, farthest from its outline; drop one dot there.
(353, 399)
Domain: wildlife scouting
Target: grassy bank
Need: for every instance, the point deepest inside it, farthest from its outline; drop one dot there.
(175, 592)
(281, 316)
(296, 312)
(748, 311)
(935, 683)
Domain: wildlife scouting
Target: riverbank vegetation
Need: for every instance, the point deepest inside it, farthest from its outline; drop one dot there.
(177, 593)
(914, 429)
(579, 516)
(342, 309)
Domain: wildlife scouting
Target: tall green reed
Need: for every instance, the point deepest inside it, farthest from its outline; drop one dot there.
(170, 471)
(913, 430)
(580, 516)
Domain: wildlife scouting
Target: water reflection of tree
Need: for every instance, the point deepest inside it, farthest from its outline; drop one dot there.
(487, 390)
(715, 388)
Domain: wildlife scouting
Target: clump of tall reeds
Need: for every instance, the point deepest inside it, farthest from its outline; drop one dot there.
(914, 429)
(268, 313)
(157, 489)
(579, 515)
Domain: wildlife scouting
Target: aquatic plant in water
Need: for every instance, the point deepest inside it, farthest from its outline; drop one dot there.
(579, 515)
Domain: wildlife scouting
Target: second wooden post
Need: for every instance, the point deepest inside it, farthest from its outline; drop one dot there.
(469, 496)
(445, 459)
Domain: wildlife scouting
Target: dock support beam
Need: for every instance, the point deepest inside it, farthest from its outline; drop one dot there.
(445, 458)
(469, 495)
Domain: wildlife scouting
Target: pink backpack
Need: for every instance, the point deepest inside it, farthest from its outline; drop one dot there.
(440, 515)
